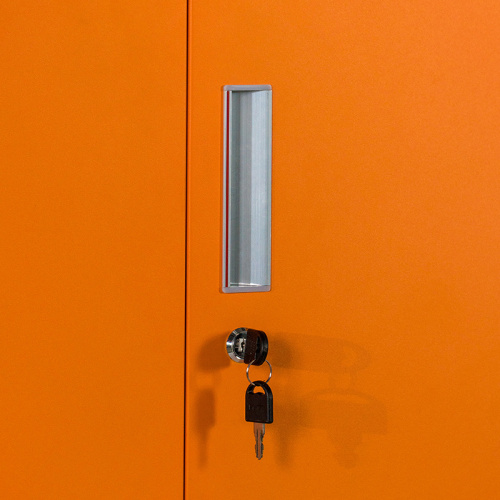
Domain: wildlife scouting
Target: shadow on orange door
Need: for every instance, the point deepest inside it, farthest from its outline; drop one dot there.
(318, 377)
(315, 392)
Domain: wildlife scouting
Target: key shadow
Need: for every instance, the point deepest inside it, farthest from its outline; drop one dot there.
(345, 413)
(211, 360)
(204, 420)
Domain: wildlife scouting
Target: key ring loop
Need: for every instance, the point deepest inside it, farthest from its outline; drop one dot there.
(270, 371)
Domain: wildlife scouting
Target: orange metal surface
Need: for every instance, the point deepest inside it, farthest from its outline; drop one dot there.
(383, 317)
(92, 174)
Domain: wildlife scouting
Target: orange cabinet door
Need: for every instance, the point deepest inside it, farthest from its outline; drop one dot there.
(92, 218)
(383, 315)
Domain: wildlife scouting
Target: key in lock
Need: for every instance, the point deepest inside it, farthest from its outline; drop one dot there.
(246, 345)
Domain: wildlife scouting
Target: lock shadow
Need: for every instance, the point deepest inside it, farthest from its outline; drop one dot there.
(212, 356)
(335, 405)
(211, 360)
(347, 416)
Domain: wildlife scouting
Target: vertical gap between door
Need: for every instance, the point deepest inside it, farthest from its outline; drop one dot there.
(188, 10)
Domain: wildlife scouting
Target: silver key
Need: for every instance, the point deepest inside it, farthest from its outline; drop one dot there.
(259, 430)
(259, 410)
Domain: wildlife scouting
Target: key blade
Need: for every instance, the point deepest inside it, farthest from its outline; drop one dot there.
(259, 430)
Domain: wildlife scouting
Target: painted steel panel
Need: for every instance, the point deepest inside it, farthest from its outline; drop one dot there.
(383, 317)
(92, 217)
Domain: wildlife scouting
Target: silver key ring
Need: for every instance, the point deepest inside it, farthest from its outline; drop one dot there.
(270, 371)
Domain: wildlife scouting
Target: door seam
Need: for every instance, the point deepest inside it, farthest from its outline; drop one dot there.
(184, 458)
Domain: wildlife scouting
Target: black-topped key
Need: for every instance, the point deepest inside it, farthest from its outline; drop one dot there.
(259, 410)
(256, 347)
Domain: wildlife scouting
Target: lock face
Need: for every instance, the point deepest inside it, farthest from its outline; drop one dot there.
(235, 345)
(246, 345)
